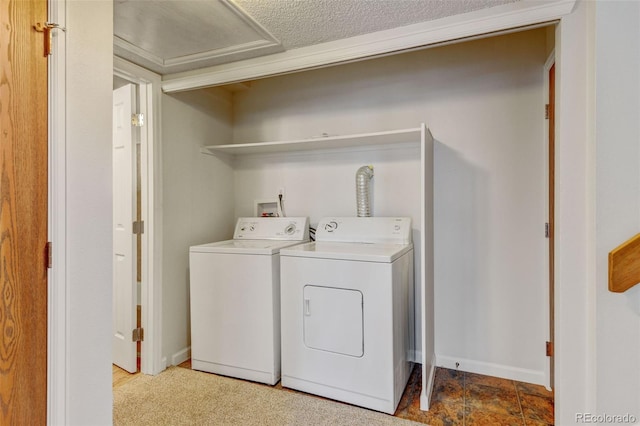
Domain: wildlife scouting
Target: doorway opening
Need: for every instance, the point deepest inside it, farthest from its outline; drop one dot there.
(137, 285)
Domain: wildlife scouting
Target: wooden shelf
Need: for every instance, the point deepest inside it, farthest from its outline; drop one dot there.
(331, 142)
(624, 265)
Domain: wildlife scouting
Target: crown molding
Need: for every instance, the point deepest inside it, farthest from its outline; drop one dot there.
(483, 22)
(137, 51)
(218, 53)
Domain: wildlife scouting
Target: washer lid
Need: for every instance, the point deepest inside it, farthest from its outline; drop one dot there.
(264, 247)
(363, 252)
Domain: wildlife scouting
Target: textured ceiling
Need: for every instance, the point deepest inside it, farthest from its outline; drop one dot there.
(299, 23)
(168, 36)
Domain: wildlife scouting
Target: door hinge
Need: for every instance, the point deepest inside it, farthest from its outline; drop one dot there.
(49, 254)
(138, 334)
(549, 348)
(137, 120)
(46, 29)
(546, 111)
(138, 227)
(547, 230)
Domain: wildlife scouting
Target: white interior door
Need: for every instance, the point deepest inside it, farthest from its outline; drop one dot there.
(124, 242)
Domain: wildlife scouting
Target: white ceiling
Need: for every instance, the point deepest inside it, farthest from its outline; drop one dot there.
(168, 36)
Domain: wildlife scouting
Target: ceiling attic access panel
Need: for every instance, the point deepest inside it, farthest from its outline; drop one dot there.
(175, 36)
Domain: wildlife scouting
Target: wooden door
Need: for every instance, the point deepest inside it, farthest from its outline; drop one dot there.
(23, 214)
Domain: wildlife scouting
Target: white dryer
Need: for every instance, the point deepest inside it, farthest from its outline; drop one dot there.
(346, 311)
(235, 299)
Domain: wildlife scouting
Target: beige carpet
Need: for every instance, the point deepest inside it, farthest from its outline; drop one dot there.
(179, 396)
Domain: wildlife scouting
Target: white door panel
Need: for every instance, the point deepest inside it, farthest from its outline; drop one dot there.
(124, 191)
(333, 320)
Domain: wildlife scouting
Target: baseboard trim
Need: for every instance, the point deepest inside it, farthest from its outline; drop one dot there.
(490, 369)
(181, 356)
(163, 363)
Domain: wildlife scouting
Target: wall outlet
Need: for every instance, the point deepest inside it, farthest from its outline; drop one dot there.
(281, 192)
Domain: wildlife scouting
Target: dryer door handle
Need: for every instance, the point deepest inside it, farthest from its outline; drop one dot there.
(307, 310)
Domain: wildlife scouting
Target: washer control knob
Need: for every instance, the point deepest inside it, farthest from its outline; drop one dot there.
(290, 229)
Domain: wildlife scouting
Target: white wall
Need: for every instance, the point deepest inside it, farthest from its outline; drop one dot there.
(482, 101)
(197, 200)
(88, 212)
(618, 201)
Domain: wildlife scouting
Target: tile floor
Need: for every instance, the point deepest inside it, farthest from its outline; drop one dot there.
(468, 399)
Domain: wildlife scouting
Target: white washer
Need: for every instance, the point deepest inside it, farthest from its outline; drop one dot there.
(235, 299)
(346, 311)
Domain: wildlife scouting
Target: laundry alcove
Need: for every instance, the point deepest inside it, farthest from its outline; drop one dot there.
(488, 309)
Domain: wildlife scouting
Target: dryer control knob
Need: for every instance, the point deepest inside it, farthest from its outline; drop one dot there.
(331, 226)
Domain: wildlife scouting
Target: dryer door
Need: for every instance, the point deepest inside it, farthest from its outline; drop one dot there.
(333, 320)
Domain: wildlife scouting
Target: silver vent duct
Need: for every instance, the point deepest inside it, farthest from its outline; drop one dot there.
(363, 177)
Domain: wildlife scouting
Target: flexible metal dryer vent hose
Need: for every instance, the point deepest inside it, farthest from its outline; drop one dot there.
(363, 177)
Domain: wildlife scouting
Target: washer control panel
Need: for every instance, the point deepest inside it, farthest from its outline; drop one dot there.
(272, 228)
(392, 230)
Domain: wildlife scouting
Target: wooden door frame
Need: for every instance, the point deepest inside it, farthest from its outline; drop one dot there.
(151, 361)
(549, 293)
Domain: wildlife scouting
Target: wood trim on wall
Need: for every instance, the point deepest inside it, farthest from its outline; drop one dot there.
(624, 265)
